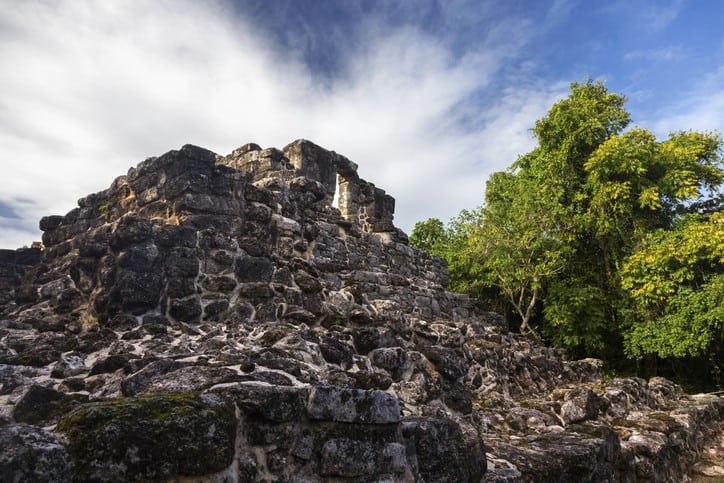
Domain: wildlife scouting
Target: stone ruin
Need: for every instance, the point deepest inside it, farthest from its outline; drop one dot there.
(213, 318)
(360, 202)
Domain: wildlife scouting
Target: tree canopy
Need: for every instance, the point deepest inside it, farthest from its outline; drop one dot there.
(675, 281)
(582, 235)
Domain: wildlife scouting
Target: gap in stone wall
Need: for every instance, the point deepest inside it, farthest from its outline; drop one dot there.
(335, 198)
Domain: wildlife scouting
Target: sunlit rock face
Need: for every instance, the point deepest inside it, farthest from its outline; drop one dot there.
(258, 317)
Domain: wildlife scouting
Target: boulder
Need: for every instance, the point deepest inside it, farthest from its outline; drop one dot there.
(150, 438)
(32, 454)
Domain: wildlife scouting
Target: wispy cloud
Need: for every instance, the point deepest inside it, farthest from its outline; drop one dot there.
(649, 16)
(701, 108)
(659, 14)
(15, 224)
(92, 88)
(663, 54)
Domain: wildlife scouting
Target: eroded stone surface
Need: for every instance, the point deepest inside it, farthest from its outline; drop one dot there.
(150, 438)
(32, 454)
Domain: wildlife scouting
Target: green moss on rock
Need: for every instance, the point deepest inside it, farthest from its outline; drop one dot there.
(149, 438)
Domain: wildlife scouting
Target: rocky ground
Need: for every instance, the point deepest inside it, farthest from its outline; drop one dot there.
(214, 318)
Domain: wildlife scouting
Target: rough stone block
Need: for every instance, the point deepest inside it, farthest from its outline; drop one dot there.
(186, 310)
(273, 403)
(392, 359)
(150, 438)
(32, 454)
(353, 406)
(254, 269)
(43, 405)
(350, 458)
(442, 452)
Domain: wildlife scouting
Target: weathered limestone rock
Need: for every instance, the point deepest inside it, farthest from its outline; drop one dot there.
(353, 406)
(13, 266)
(43, 405)
(215, 318)
(443, 452)
(150, 438)
(32, 454)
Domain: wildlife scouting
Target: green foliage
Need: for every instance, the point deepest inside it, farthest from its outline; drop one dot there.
(105, 210)
(516, 245)
(565, 234)
(603, 189)
(466, 273)
(452, 244)
(575, 315)
(430, 236)
(676, 286)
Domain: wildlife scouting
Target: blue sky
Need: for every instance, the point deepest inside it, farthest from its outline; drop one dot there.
(428, 97)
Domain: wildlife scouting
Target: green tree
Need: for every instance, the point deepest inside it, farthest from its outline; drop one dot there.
(430, 235)
(575, 310)
(516, 246)
(453, 243)
(558, 225)
(466, 272)
(675, 281)
(631, 184)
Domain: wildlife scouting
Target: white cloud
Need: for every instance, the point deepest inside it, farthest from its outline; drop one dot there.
(648, 16)
(659, 15)
(701, 109)
(92, 88)
(657, 55)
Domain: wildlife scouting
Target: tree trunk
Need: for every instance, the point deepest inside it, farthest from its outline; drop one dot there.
(525, 328)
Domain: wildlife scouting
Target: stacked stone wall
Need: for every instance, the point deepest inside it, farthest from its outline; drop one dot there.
(207, 305)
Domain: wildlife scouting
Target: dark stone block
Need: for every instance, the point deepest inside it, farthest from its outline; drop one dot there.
(110, 364)
(353, 406)
(131, 229)
(140, 258)
(182, 262)
(335, 351)
(448, 361)
(457, 398)
(32, 454)
(175, 236)
(257, 292)
(67, 301)
(191, 151)
(144, 371)
(222, 284)
(155, 319)
(273, 403)
(73, 384)
(366, 339)
(213, 310)
(180, 287)
(50, 222)
(27, 294)
(442, 451)
(370, 380)
(306, 282)
(392, 359)
(41, 406)
(95, 341)
(36, 357)
(187, 310)
(135, 292)
(254, 269)
(150, 438)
